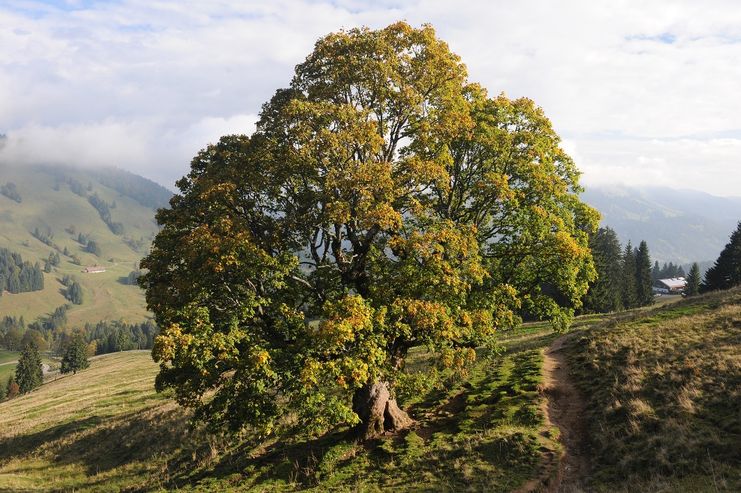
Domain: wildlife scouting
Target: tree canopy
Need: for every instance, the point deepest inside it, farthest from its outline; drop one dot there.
(75, 356)
(29, 373)
(693, 280)
(726, 272)
(384, 202)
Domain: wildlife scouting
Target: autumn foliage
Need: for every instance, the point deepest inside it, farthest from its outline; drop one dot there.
(384, 202)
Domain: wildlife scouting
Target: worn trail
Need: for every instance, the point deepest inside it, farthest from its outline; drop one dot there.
(566, 410)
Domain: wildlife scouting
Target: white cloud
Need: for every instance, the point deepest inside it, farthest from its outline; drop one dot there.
(643, 92)
(147, 147)
(710, 164)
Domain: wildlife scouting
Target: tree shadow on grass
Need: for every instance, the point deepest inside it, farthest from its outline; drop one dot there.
(15, 446)
(292, 463)
(125, 439)
(100, 444)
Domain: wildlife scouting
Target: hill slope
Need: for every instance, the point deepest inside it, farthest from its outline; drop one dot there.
(663, 414)
(97, 429)
(680, 226)
(663, 393)
(105, 429)
(56, 206)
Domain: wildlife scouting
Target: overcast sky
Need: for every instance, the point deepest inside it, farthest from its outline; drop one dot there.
(641, 92)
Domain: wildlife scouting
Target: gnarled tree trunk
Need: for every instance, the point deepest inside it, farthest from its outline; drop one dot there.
(377, 411)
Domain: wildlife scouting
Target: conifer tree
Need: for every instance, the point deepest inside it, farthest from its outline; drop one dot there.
(605, 293)
(29, 373)
(74, 293)
(693, 281)
(726, 272)
(93, 247)
(629, 277)
(644, 291)
(656, 271)
(14, 283)
(75, 356)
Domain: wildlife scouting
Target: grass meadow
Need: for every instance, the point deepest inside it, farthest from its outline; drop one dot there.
(661, 387)
(664, 397)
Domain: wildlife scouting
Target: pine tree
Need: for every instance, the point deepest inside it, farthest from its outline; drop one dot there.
(93, 247)
(37, 278)
(14, 283)
(29, 373)
(726, 272)
(644, 291)
(628, 284)
(605, 293)
(75, 356)
(693, 281)
(74, 293)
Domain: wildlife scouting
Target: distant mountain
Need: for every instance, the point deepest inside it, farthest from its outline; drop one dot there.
(98, 218)
(47, 210)
(680, 226)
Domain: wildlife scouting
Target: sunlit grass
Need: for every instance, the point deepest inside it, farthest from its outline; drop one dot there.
(664, 392)
(661, 384)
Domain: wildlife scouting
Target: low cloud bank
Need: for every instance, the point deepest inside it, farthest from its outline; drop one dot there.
(154, 149)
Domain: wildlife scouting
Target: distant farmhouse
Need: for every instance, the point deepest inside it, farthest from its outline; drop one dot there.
(93, 269)
(675, 285)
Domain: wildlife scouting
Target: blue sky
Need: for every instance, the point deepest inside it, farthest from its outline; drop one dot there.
(40, 8)
(641, 92)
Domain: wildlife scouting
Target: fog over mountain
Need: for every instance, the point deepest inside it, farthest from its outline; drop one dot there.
(680, 226)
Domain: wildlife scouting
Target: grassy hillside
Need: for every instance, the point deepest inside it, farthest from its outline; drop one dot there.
(661, 387)
(99, 429)
(55, 201)
(663, 394)
(105, 429)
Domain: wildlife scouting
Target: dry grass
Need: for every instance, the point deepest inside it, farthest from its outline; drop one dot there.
(103, 429)
(664, 393)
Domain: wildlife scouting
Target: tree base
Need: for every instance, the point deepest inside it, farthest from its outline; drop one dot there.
(378, 412)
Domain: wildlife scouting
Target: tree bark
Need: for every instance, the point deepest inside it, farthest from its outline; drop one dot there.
(378, 412)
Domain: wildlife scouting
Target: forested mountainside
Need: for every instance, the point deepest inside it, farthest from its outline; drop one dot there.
(69, 221)
(680, 226)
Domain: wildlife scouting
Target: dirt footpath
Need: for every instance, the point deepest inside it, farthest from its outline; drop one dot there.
(566, 410)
